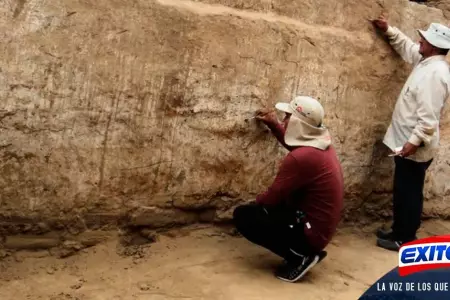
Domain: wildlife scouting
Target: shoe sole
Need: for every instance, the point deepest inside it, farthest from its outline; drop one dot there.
(312, 264)
(322, 255)
(381, 244)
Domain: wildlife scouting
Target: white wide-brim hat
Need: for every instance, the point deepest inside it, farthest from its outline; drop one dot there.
(437, 35)
(305, 124)
(305, 108)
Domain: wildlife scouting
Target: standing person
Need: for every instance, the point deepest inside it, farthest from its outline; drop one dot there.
(297, 216)
(415, 125)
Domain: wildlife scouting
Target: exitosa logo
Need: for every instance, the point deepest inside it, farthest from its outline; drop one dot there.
(424, 254)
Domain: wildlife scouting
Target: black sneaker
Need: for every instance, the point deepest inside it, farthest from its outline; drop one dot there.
(385, 234)
(292, 272)
(322, 254)
(389, 244)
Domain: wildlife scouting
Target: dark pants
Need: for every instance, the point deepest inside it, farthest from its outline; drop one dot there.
(409, 178)
(270, 228)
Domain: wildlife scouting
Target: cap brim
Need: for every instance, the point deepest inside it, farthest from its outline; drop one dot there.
(284, 107)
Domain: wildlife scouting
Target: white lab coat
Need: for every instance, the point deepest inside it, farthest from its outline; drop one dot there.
(418, 109)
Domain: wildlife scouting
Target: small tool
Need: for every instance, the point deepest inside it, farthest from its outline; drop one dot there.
(395, 154)
(398, 152)
(251, 118)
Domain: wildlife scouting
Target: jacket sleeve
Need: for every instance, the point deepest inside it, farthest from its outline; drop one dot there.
(430, 95)
(404, 46)
(288, 179)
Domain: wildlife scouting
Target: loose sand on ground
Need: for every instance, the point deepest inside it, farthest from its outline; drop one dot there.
(197, 262)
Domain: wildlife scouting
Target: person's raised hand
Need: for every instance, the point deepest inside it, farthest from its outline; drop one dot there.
(266, 115)
(381, 23)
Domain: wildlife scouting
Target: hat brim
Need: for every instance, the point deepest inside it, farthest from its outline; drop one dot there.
(285, 107)
(432, 40)
(423, 34)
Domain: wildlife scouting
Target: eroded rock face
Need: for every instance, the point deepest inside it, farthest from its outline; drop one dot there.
(441, 4)
(111, 105)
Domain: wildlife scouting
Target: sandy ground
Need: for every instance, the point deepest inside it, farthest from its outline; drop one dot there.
(198, 262)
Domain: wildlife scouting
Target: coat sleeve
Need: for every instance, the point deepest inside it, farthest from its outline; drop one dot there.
(404, 46)
(431, 95)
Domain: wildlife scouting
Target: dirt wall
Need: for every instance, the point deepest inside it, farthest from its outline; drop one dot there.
(115, 106)
(442, 5)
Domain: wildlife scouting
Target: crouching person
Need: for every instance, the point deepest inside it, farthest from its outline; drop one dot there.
(298, 214)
